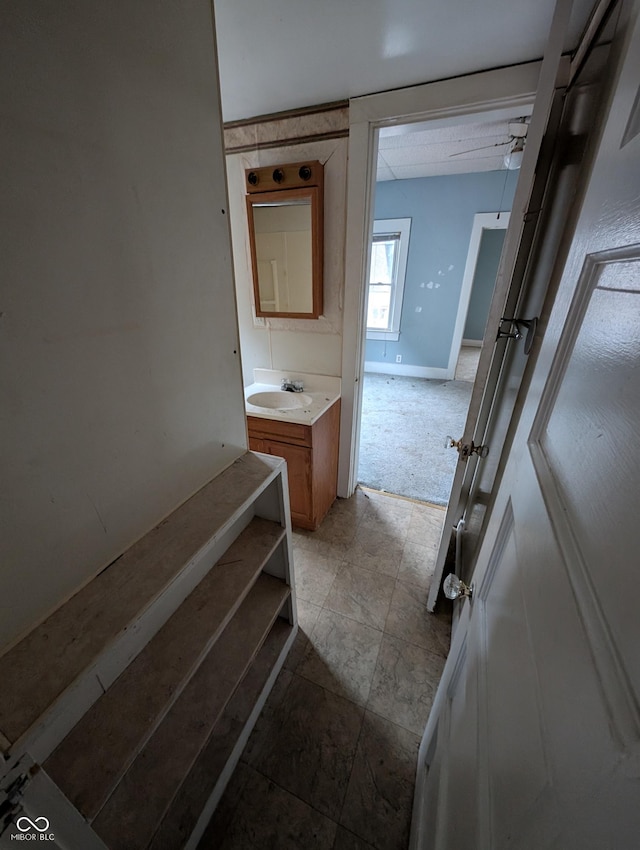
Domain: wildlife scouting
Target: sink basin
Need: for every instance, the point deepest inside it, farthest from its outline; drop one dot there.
(280, 400)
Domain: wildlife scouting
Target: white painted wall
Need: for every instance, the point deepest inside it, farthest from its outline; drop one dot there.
(303, 345)
(120, 378)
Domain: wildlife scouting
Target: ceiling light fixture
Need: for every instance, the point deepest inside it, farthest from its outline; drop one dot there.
(517, 134)
(513, 159)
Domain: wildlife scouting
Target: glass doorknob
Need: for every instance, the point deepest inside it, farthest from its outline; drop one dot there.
(454, 588)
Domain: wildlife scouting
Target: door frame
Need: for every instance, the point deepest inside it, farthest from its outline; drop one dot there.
(444, 103)
(481, 222)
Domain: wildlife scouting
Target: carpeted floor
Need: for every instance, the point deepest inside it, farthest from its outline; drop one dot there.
(404, 425)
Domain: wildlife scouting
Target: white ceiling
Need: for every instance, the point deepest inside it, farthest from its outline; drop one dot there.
(276, 55)
(420, 150)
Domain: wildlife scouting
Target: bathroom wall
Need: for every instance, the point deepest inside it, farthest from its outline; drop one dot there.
(306, 345)
(119, 359)
(441, 211)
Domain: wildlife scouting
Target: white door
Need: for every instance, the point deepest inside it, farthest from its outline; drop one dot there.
(553, 76)
(534, 738)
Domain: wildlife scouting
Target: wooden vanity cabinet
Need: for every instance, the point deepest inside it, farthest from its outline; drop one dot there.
(311, 453)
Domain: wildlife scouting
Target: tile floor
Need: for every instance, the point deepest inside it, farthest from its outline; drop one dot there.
(331, 762)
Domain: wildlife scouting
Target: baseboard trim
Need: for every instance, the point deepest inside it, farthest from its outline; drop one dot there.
(408, 371)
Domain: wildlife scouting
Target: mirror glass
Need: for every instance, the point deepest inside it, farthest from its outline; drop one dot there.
(283, 255)
(286, 252)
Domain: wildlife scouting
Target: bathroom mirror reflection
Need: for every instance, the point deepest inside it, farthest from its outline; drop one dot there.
(282, 232)
(285, 234)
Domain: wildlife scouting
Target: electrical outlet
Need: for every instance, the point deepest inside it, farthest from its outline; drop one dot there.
(398, 358)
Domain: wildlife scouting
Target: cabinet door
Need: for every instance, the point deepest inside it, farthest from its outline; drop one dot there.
(298, 461)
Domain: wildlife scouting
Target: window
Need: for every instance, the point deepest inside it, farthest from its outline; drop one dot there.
(389, 249)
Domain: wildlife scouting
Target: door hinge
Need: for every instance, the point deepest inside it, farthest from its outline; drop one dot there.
(530, 215)
(530, 324)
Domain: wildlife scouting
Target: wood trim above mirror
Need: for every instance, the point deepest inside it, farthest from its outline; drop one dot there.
(286, 239)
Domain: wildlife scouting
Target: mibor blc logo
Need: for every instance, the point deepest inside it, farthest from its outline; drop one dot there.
(32, 830)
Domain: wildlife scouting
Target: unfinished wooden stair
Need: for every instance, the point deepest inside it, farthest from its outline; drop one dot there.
(184, 640)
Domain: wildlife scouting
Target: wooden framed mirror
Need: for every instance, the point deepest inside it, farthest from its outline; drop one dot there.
(285, 216)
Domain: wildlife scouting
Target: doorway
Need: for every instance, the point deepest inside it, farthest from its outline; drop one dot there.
(445, 103)
(434, 259)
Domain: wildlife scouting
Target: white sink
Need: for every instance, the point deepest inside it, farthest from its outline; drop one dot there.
(280, 400)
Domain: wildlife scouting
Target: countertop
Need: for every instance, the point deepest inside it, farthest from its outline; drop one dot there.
(323, 389)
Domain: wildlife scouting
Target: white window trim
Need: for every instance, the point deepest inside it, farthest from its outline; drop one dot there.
(403, 227)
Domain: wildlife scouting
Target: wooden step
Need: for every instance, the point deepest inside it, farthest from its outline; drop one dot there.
(201, 791)
(60, 668)
(131, 816)
(90, 761)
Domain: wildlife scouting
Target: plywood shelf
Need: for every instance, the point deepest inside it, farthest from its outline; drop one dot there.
(156, 677)
(83, 646)
(155, 672)
(172, 750)
(199, 794)
(52, 657)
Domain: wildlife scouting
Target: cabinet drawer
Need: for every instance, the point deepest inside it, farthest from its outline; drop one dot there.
(290, 432)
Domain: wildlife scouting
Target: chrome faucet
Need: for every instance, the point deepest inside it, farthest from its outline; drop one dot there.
(291, 386)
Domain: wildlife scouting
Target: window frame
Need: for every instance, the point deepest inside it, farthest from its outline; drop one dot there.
(390, 227)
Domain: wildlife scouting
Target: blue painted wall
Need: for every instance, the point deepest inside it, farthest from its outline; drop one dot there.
(484, 281)
(441, 210)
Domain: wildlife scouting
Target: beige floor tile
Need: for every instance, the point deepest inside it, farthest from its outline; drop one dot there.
(388, 515)
(417, 564)
(342, 656)
(310, 745)
(395, 525)
(376, 551)
(297, 652)
(310, 542)
(425, 526)
(410, 620)
(337, 530)
(259, 806)
(404, 683)
(346, 840)
(307, 616)
(361, 594)
(378, 803)
(314, 575)
(352, 507)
